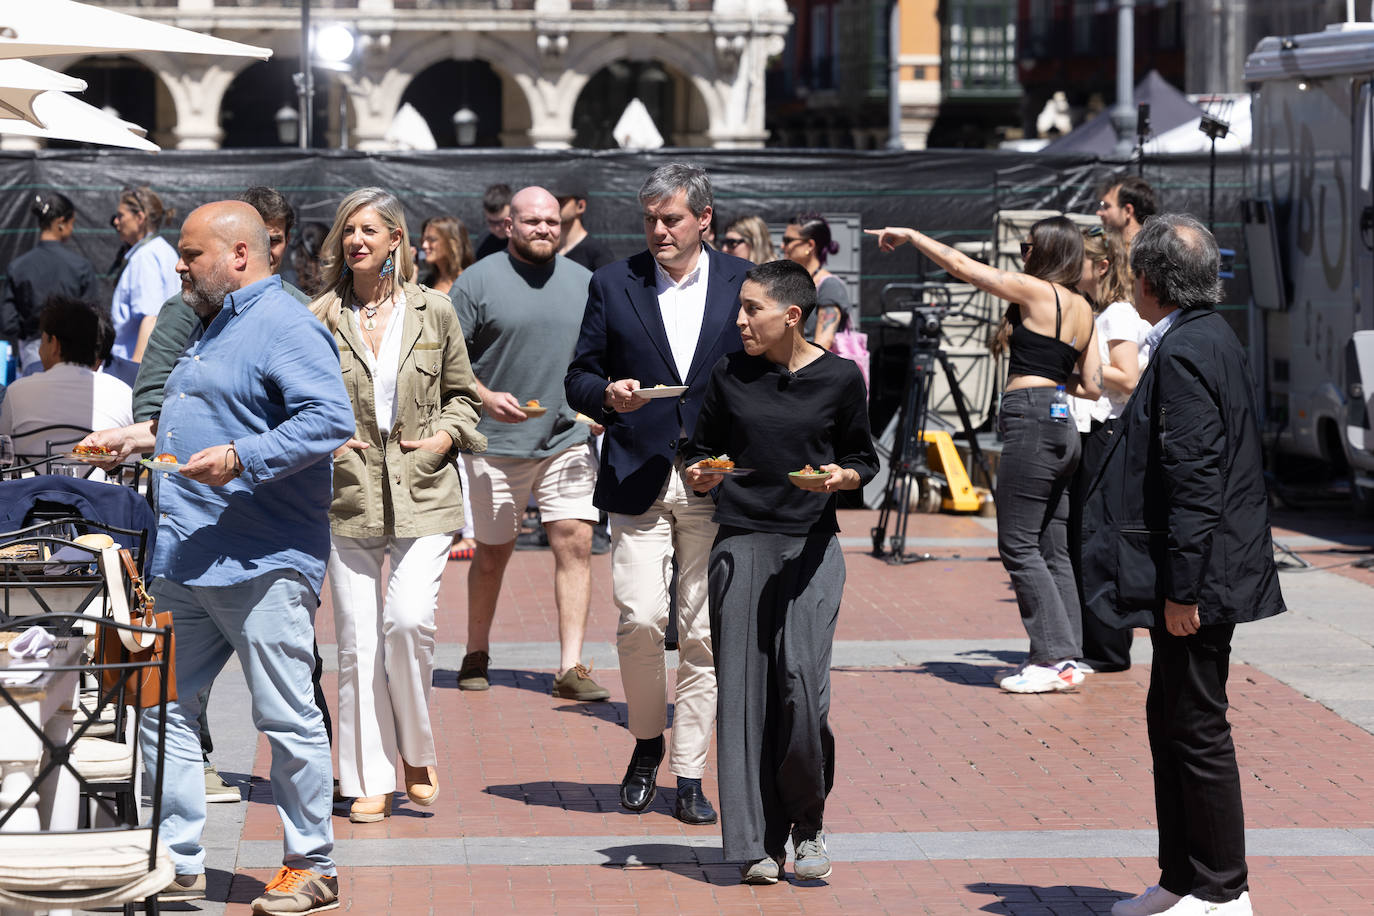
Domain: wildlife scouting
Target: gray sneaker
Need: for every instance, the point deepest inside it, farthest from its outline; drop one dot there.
(183, 887)
(217, 790)
(812, 861)
(767, 870)
(473, 673)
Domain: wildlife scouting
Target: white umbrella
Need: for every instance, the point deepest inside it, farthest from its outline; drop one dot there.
(636, 129)
(67, 118)
(21, 82)
(409, 131)
(42, 28)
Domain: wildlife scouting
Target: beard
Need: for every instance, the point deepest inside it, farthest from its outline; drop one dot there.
(536, 251)
(206, 297)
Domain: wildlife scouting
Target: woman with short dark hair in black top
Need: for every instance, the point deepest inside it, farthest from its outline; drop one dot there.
(1048, 333)
(49, 269)
(776, 573)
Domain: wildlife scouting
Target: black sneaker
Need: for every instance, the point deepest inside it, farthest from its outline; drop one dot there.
(537, 539)
(473, 674)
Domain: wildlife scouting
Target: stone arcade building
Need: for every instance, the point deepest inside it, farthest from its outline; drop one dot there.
(540, 73)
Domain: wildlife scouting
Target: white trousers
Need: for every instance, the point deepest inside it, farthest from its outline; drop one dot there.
(386, 633)
(679, 525)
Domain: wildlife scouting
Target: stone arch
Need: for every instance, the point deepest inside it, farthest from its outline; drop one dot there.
(445, 86)
(694, 67)
(196, 84)
(377, 93)
(130, 85)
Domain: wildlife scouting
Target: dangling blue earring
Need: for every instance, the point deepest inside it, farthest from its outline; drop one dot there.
(388, 268)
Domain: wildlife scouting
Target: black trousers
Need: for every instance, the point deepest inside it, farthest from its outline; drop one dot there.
(1105, 647)
(1197, 783)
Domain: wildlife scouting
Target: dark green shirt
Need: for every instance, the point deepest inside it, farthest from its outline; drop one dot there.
(175, 322)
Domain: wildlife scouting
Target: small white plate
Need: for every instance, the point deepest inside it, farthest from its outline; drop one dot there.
(161, 465)
(663, 391)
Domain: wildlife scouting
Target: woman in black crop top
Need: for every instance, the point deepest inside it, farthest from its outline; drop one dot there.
(1048, 335)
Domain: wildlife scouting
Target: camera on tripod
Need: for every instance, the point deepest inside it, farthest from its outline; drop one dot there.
(921, 308)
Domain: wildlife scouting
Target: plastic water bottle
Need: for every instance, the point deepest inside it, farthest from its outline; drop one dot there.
(1059, 407)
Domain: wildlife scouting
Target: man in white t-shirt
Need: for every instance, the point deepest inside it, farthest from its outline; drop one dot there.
(69, 391)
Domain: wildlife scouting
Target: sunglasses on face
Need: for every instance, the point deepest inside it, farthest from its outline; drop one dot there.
(791, 240)
(1026, 249)
(729, 244)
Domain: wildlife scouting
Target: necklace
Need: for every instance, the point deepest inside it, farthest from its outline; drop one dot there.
(370, 316)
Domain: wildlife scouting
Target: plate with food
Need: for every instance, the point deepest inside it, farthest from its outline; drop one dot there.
(91, 453)
(659, 391)
(532, 408)
(723, 465)
(164, 462)
(584, 419)
(808, 477)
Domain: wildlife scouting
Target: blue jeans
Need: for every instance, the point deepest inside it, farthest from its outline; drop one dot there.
(268, 622)
(1039, 456)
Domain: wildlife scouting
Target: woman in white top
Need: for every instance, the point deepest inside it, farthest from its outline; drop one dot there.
(397, 498)
(148, 277)
(1106, 282)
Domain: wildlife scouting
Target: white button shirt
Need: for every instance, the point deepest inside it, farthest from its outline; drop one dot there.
(683, 306)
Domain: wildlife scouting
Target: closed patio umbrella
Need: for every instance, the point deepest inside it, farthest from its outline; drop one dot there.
(43, 28)
(21, 82)
(67, 118)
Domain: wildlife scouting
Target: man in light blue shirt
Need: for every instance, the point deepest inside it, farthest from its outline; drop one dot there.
(252, 410)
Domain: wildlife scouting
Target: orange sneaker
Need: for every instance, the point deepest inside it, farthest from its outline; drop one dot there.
(298, 892)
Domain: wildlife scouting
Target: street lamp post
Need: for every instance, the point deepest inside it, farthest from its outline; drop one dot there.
(305, 80)
(1123, 112)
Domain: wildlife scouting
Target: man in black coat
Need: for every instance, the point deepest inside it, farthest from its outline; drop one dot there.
(1176, 538)
(662, 317)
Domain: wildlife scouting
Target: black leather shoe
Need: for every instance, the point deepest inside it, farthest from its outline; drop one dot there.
(640, 785)
(693, 807)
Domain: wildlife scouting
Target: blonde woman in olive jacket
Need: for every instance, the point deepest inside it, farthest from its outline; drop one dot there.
(396, 490)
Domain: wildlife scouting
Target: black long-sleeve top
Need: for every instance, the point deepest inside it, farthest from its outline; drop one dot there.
(49, 269)
(776, 421)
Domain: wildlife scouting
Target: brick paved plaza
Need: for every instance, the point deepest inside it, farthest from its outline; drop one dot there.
(951, 796)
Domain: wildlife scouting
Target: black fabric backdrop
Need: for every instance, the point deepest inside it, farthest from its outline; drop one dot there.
(950, 194)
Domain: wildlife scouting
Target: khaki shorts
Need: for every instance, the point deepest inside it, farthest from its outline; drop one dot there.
(562, 485)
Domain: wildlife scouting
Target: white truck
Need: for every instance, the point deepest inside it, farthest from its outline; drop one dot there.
(1308, 220)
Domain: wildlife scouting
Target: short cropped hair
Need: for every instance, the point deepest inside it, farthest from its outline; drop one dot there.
(787, 283)
(271, 205)
(496, 198)
(667, 180)
(1136, 191)
(1179, 257)
(76, 327)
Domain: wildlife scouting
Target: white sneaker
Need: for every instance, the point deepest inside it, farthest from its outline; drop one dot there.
(1077, 670)
(1195, 906)
(1084, 666)
(1155, 900)
(1041, 679)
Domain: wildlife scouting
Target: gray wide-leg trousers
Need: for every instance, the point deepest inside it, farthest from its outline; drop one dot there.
(774, 601)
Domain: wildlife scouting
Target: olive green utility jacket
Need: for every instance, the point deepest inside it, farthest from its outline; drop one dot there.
(384, 489)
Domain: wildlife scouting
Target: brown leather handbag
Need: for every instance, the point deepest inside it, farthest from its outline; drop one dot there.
(142, 687)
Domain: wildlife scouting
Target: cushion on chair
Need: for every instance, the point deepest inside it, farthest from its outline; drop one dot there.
(87, 861)
(99, 760)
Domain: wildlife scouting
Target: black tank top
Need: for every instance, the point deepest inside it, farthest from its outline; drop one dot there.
(1036, 354)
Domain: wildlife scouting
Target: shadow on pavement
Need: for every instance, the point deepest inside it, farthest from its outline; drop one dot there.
(592, 798)
(971, 673)
(1058, 900)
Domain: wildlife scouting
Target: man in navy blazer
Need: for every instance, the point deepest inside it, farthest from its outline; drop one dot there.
(662, 317)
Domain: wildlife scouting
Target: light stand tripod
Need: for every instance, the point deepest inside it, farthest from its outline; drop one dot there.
(907, 465)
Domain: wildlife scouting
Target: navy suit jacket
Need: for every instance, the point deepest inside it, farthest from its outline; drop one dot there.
(623, 337)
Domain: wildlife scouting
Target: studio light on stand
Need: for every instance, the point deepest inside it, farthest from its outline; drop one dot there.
(335, 45)
(1215, 123)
